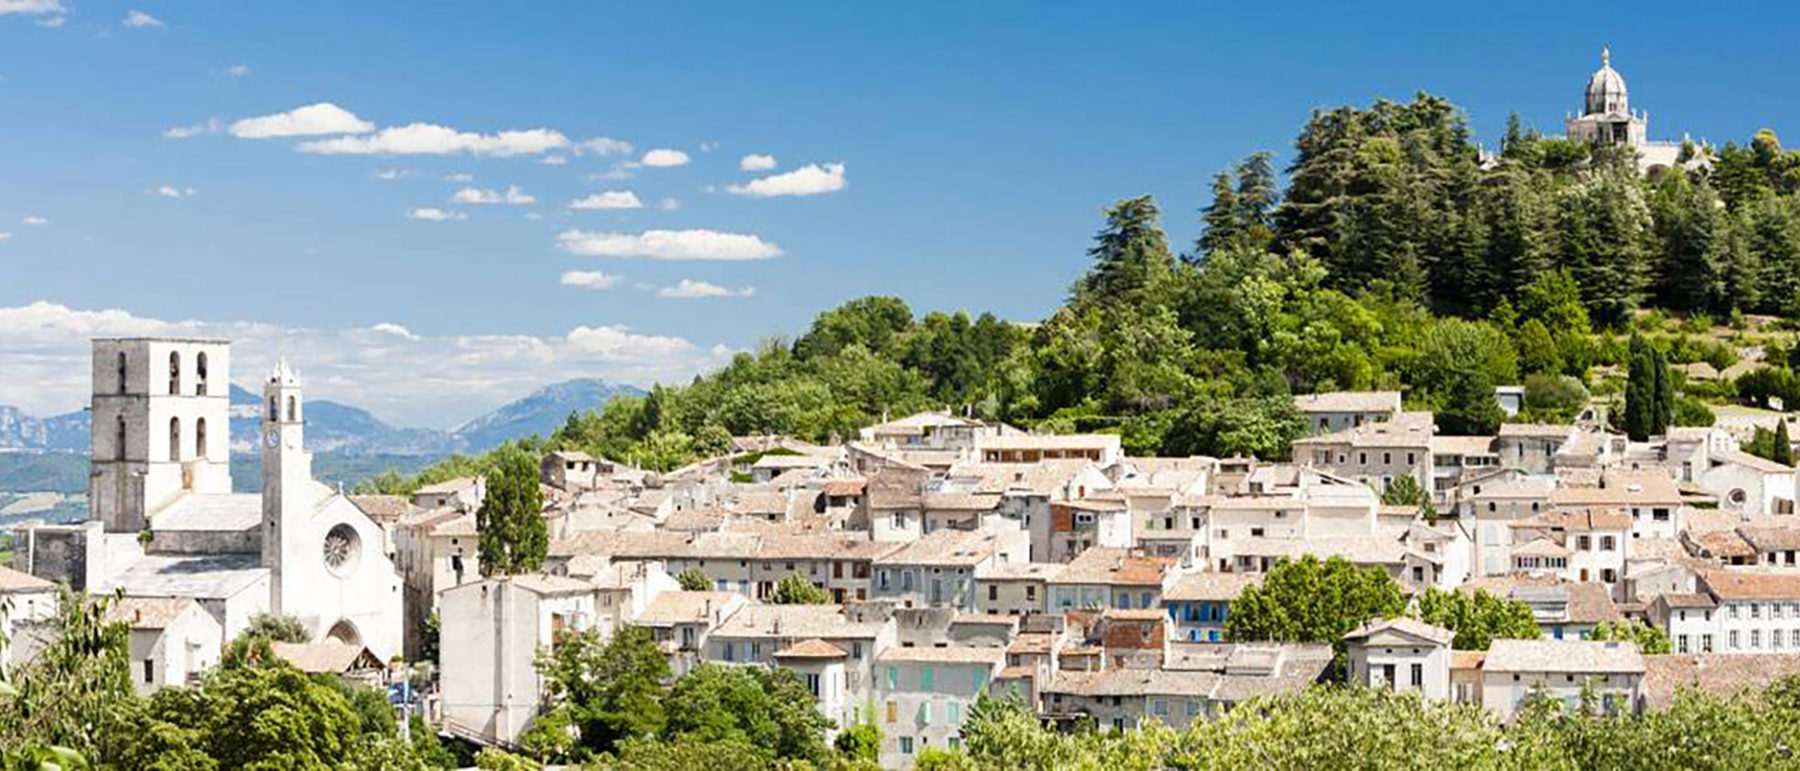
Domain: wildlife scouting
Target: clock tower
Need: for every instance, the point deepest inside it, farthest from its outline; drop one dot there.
(286, 480)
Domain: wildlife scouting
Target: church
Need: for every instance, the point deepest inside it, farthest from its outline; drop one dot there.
(165, 522)
(1607, 119)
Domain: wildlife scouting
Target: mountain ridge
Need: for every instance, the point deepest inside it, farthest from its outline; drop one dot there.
(335, 427)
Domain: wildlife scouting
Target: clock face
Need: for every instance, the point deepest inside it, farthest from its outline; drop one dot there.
(274, 439)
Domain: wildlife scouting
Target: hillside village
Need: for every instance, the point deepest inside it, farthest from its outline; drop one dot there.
(1053, 544)
(959, 558)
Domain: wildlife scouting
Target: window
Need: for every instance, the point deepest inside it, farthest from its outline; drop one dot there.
(1756, 638)
(1608, 543)
(119, 439)
(906, 745)
(893, 678)
(1681, 643)
(927, 679)
(149, 671)
(174, 439)
(200, 438)
(981, 680)
(1706, 645)
(1584, 543)
(955, 713)
(1733, 639)
(174, 373)
(200, 375)
(893, 712)
(1159, 707)
(1362, 458)
(293, 411)
(1418, 675)
(1256, 532)
(122, 375)
(993, 592)
(1387, 458)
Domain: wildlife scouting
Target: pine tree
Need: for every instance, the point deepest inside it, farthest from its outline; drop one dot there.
(1131, 256)
(510, 522)
(1219, 220)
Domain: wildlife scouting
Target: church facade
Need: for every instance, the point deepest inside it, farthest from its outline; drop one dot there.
(165, 522)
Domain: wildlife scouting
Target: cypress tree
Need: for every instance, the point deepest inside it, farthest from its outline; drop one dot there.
(1784, 448)
(1662, 403)
(1639, 390)
(510, 522)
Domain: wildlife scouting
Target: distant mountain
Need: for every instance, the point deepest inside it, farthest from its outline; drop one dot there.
(19, 431)
(340, 429)
(540, 413)
(336, 428)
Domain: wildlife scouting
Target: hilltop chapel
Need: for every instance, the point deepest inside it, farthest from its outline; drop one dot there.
(165, 522)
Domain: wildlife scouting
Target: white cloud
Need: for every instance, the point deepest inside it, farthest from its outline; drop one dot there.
(137, 19)
(430, 139)
(807, 180)
(5, 236)
(389, 328)
(618, 342)
(554, 160)
(435, 214)
(32, 219)
(688, 289)
(620, 170)
(668, 204)
(663, 157)
(531, 215)
(668, 245)
(463, 177)
(756, 162)
(30, 7)
(390, 174)
(590, 279)
(311, 120)
(605, 146)
(611, 199)
(707, 147)
(54, 21)
(238, 70)
(208, 126)
(171, 191)
(512, 196)
(407, 379)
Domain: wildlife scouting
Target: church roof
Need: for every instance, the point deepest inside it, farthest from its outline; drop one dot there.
(210, 512)
(209, 577)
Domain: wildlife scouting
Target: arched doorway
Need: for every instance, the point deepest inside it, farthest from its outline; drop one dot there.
(345, 632)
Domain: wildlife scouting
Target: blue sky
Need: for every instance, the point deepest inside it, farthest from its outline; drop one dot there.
(977, 142)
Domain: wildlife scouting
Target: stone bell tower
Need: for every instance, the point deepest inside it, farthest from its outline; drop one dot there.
(161, 426)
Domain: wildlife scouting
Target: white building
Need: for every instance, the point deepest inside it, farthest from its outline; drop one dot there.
(493, 631)
(1401, 654)
(173, 640)
(1561, 670)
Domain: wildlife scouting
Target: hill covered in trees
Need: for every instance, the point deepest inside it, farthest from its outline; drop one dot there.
(1397, 255)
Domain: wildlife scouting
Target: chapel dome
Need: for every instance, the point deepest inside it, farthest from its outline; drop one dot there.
(1606, 89)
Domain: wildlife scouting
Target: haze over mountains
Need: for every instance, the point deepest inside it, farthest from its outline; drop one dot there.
(337, 428)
